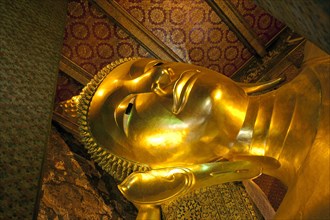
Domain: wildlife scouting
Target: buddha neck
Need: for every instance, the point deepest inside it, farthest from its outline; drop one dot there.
(282, 124)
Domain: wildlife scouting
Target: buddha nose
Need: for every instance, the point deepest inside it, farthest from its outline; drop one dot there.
(160, 81)
(164, 84)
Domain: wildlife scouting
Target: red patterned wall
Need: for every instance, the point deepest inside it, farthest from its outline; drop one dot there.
(274, 189)
(66, 87)
(192, 30)
(262, 23)
(92, 40)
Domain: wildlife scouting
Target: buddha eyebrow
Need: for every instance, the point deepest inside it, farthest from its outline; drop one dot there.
(129, 108)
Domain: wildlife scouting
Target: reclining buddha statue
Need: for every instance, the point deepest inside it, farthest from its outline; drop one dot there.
(164, 129)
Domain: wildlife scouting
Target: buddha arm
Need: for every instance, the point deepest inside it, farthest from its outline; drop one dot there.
(148, 190)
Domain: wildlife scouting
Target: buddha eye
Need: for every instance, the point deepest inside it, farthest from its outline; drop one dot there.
(159, 64)
(129, 108)
(127, 115)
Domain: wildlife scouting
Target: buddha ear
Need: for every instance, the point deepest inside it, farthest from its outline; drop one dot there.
(252, 88)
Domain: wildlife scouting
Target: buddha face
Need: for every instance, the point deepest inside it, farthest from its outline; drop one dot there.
(166, 114)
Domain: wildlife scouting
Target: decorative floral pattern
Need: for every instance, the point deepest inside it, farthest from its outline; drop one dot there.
(262, 23)
(193, 31)
(92, 40)
(204, 204)
(66, 88)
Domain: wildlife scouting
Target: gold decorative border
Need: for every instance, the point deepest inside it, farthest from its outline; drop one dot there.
(257, 68)
(116, 166)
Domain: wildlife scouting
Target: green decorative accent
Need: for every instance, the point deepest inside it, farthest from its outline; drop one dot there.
(116, 166)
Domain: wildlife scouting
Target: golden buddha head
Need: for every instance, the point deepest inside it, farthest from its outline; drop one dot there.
(138, 114)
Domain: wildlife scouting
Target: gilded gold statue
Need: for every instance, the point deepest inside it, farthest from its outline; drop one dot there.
(163, 129)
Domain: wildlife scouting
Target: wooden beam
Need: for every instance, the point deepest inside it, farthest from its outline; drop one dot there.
(137, 31)
(238, 25)
(67, 123)
(75, 71)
